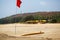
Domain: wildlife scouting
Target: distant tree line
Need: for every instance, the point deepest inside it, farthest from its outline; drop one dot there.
(52, 18)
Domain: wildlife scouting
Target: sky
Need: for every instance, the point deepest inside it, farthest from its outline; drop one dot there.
(8, 7)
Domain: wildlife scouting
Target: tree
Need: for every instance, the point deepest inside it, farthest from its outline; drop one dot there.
(30, 17)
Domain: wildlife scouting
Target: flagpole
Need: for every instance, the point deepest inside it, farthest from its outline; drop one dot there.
(15, 19)
(18, 3)
(15, 22)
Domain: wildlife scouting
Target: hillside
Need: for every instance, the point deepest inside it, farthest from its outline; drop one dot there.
(37, 13)
(31, 16)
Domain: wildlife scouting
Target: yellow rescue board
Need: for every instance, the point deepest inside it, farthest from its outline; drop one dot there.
(33, 33)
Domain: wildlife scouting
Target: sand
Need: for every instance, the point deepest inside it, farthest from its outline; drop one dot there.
(51, 31)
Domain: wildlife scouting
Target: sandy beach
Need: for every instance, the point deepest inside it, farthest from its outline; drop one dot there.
(50, 31)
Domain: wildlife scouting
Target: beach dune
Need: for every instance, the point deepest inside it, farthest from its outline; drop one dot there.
(17, 30)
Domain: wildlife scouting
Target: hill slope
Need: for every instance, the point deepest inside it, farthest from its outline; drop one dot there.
(31, 16)
(37, 13)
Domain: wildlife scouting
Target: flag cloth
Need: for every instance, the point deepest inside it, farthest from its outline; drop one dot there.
(18, 3)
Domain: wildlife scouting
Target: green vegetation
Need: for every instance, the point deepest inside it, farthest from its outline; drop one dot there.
(52, 18)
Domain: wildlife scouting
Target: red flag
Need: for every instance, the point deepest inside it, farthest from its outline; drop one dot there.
(18, 3)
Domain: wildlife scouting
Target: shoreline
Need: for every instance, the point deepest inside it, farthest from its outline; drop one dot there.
(30, 24)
